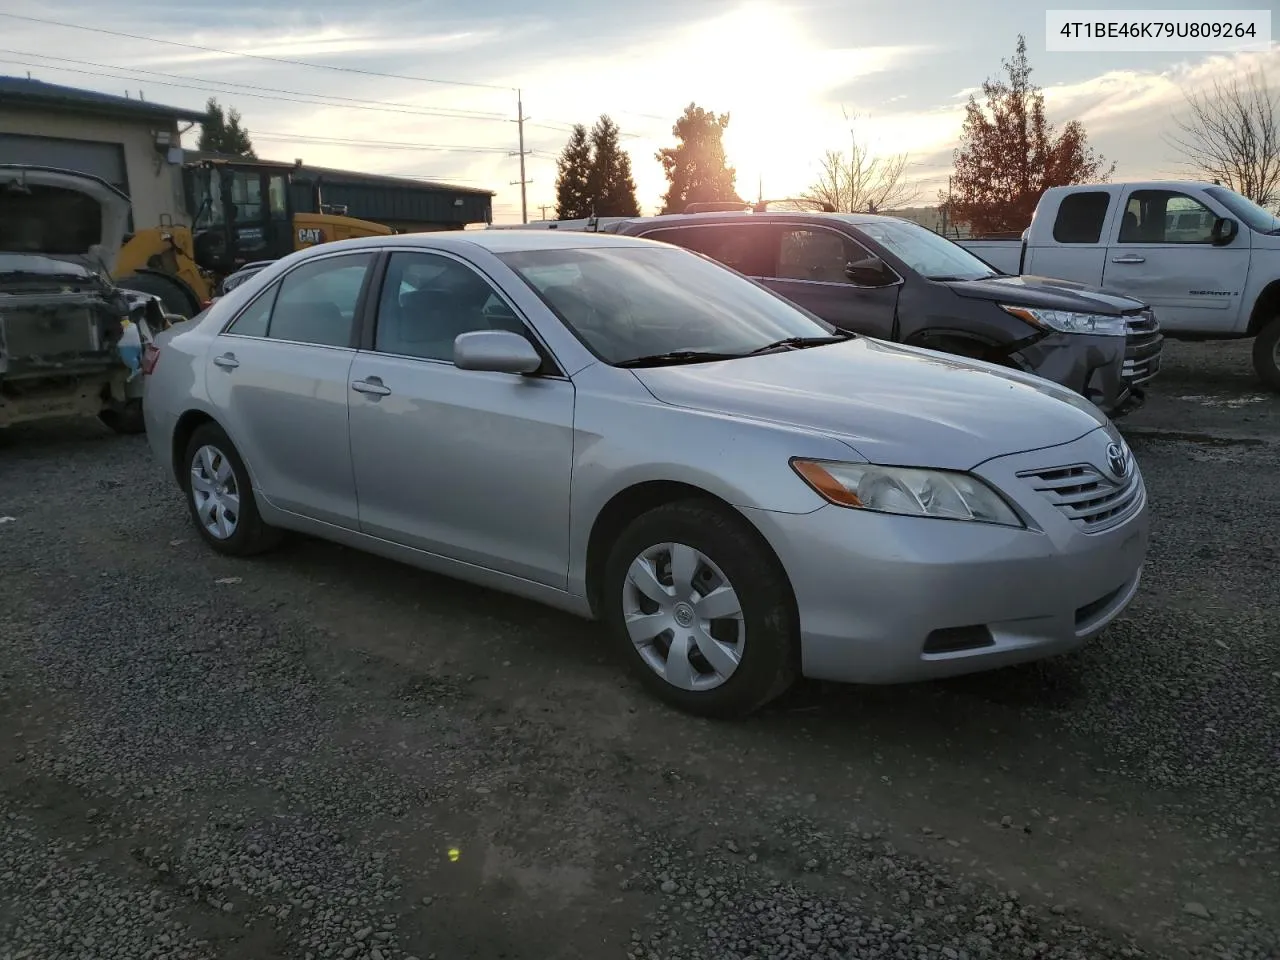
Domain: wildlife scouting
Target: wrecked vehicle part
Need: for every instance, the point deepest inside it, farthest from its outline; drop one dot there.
(71, 341)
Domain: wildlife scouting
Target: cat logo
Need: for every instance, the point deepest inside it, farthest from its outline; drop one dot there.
(310, 235)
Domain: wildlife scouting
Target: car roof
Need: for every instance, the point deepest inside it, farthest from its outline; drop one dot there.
(495, 241)
(773, 216)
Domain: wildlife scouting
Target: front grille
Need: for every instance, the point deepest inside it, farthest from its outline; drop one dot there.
(1142, 347)
(1093, 501)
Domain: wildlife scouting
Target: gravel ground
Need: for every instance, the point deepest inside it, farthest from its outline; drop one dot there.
(320, 754)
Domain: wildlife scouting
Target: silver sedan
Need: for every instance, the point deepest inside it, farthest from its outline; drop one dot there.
(631, 432)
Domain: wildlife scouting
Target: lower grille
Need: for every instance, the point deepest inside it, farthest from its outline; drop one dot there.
(1094, 502)
(1142, 347)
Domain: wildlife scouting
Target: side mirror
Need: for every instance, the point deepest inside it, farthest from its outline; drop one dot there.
(1224, 231)
(498, 351)
(870, 272)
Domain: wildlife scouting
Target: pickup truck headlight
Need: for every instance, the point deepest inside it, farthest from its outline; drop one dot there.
(1067, 321)
(946, 494)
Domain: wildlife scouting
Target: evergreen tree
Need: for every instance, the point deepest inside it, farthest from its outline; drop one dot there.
(610, 186)
(220, 132)
(696, 166)
(573, 198)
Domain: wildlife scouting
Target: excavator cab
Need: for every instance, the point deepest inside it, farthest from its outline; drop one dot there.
(243, 213)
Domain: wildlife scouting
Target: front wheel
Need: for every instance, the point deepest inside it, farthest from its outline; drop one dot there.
(701, 609)
(1266, 354)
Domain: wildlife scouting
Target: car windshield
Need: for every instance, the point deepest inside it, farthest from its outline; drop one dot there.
(932, 256)
(630, 302)
(1255, 216)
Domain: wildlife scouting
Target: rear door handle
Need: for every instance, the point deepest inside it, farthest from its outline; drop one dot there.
(1129, 259)
(373, 386)
(227, 361)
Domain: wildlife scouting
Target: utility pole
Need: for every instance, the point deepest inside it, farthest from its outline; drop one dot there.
(524, 183)
(543, 208)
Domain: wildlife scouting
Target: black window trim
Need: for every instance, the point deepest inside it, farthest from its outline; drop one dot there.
(1162, 243)
(554, 369)
(273, 288)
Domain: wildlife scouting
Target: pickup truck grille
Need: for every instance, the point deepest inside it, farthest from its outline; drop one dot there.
(1142, 347)
(1091, 500)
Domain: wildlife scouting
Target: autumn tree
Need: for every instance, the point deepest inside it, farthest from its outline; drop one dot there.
(573, 168)
(220, 132)
(696, 168)
(1009, 154)
(862, 182)
(1231, 134)
(609, 182)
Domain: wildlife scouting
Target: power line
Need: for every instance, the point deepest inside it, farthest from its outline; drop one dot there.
(380, 144)
(363, 103)
(255, 56)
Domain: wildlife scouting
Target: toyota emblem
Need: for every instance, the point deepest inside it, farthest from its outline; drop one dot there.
(1117, 461)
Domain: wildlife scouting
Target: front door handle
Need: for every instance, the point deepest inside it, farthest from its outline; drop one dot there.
(1129, 259)
(227, 361)
(373, 386)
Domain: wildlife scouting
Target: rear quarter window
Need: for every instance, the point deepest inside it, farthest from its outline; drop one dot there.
(1081, 216)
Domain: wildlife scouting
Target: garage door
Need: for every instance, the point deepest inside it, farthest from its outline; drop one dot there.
(105, 160)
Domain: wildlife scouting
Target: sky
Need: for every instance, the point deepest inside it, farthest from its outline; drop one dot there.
(797, 78)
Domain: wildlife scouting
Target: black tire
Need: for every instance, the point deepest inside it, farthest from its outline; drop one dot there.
(125, 419)
(1266, 354)
(174, 294)
(251, 535)
(769, 661)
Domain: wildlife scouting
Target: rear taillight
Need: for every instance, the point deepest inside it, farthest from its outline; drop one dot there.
(150, 357)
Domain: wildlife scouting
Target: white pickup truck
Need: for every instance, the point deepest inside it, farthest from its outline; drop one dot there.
(1206, 259)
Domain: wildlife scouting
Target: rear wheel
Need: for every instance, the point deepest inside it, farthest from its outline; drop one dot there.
(220, 496)
(1266, 354)
(173, 294)
(701, 609)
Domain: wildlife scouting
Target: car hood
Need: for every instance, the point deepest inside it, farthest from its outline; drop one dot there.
(1047, 293)
(895, 405)
(39, 220)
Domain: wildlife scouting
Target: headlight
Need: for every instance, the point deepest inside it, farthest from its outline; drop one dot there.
(945, 494)
(1065, 321)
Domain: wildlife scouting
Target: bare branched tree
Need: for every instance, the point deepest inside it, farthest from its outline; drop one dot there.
(1231, 134)
(862, 182)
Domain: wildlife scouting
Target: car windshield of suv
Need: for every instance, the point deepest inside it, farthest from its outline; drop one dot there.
(626, 303)
(928, 254)
(1255, 216)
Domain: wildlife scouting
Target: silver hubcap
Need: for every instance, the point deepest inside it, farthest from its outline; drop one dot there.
(683, 616)
(215, 492)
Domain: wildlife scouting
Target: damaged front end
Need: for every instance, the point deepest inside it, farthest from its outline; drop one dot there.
(71, 343)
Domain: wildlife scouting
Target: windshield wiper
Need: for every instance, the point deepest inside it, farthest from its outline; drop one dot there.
(839, 337)
(676, 356)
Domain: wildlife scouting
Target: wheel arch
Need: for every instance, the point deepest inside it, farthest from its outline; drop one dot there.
(1265, 309)
(639, 498)
(183, 431)
(176, 285)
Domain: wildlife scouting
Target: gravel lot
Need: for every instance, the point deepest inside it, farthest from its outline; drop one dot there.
(320, 754)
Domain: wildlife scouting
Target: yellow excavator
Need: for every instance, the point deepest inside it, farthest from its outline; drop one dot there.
(244, 213)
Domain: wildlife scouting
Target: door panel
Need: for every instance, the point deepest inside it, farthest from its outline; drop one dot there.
(810, 271)
(280, 374)
(471, 465)
(1162, 254)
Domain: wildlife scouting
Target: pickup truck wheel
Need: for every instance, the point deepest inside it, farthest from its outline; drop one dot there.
(220, 496)
(1266, 354)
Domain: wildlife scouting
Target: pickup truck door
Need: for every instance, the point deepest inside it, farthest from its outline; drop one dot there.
(1162, 252)
(810, 271)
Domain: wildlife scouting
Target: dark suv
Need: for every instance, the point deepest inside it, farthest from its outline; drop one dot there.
(895, 280)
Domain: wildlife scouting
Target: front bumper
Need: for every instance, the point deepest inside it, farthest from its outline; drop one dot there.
(886, 599)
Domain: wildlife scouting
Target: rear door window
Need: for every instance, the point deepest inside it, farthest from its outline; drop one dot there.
(317, 302)
(748, 248)
(1081, 216)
